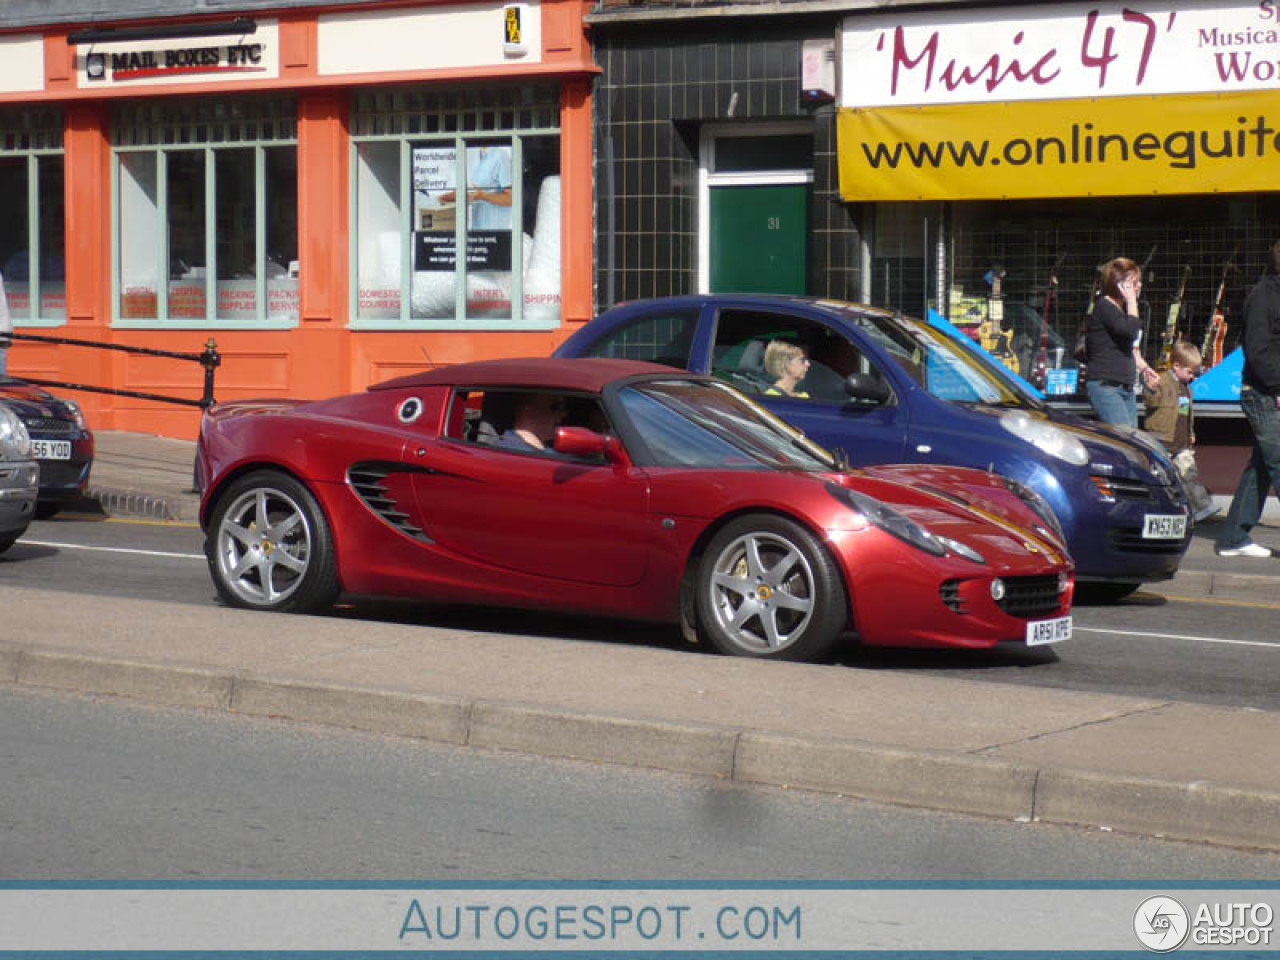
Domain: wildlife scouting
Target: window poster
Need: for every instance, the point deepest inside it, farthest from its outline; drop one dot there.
(487, 208)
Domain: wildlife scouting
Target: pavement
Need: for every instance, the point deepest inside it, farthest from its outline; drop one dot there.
(1143, 765)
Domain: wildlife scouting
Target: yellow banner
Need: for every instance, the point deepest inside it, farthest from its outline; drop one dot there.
(1111, 146)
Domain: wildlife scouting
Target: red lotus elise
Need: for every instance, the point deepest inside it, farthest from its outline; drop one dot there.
(624, 489)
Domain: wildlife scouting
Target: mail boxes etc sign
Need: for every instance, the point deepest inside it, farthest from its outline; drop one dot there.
(1091, 98)
(181, 61)
(132, 64)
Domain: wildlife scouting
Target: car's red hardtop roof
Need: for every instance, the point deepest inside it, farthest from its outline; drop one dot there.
(590, 374)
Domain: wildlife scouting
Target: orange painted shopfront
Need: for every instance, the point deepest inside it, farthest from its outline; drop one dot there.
(335, 196)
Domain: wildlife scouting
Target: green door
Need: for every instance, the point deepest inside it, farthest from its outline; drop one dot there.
(759, 238)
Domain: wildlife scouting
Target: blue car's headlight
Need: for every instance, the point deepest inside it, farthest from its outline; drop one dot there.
(901, 526)
(1046, 437)
(77, 414)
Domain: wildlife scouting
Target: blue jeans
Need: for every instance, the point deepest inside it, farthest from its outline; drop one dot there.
(1261, 473)
(1113, 404)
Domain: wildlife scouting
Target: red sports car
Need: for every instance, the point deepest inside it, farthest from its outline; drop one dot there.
(625, 489)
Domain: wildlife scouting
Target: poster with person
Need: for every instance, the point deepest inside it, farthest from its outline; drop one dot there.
(487, 207)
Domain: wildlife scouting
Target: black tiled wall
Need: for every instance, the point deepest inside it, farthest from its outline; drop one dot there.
(659, 84)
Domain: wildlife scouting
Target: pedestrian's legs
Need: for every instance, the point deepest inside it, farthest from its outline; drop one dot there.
(1246, 508)
(1260, 473)
(1113, 404)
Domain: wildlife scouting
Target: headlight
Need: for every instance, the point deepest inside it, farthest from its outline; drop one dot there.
(76, 414)
(890, 520)
(15, 442)
(1038, 504)
(1046, 437)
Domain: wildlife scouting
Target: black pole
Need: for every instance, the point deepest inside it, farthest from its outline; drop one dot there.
(210, 360)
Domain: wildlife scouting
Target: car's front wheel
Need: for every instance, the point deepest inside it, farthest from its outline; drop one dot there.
(269, 546)
(768, 589)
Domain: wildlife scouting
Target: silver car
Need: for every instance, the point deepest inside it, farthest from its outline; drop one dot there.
(19, 478)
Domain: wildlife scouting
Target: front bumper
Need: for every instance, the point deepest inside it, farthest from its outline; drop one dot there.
(1107, 542)
(18, 487)
(65, 480)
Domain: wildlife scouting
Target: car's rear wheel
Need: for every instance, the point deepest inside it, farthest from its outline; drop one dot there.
(7, 540)
(767, 588)
(269, 546)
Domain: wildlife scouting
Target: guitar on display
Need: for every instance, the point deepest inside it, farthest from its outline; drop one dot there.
(992, 334)
(1171, 324)
(1216, 333)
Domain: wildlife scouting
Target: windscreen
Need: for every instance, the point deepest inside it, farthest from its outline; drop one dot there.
(694, 423)
(945, 368)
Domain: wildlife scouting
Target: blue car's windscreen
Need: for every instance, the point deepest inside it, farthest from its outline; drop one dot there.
(690, 423)
(938, 364)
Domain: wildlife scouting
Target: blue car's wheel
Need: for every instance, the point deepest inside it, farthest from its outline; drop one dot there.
(269, 546)
(768, 589)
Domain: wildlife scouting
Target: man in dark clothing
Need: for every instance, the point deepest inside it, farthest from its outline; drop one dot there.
(1260, 401)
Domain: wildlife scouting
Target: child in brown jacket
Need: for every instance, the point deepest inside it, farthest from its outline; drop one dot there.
(1171, 417)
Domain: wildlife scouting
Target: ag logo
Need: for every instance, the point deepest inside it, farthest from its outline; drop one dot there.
(1161, 924)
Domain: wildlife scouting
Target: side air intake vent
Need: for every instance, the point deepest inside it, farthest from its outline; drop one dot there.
(373, 485)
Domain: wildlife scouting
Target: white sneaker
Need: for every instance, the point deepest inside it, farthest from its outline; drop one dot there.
(1246, 549)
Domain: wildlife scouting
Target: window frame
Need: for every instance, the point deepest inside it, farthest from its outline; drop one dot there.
(169, 141)
(31, 146)
(460, 128)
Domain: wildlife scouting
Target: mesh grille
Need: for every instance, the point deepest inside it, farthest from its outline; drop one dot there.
(50, 427)
(1130, 540)
(1030, 596)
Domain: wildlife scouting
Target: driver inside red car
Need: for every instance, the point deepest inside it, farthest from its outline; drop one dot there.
(534, 428)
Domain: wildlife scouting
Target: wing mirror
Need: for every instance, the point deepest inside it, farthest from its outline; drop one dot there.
(867, 387)
(587, 444)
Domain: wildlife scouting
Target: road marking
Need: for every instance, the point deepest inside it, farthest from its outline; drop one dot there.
(1178, 636)
(1219, 601)
(141, 553)
(139, 521)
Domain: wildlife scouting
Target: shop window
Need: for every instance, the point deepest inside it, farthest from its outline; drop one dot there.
(206, 200)
(32, 180)
(438, 172)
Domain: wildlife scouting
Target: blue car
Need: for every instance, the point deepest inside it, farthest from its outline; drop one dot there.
(879, 387)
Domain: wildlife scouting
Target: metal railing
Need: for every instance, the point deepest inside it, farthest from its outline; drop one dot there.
(209, 359)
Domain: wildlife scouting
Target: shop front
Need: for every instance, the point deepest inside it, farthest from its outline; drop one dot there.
(335, 195)
(1007, 153)
(1014, 150)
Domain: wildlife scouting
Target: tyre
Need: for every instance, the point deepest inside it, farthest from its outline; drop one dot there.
(269, 546)
(47, 511)
(1104, 592)
(7, 540)
(768, 589)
